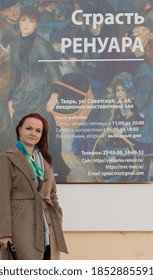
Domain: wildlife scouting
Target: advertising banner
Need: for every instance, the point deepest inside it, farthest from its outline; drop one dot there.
(87, 67)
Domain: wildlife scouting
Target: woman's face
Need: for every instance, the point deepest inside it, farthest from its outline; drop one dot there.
(27, 25)
(120, 92)
(30, 132)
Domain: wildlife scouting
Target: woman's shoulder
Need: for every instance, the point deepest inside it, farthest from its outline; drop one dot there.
(6, 153)
(43, 44)
(5, 158)
(48, 168)
(40, 39)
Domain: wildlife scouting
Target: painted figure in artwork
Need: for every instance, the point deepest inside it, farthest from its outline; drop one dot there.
(33, 86)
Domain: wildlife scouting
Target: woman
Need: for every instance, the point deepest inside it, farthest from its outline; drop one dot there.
(30, 215)
(33, 85)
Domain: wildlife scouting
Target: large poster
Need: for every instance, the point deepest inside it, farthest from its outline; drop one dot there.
(88, 69)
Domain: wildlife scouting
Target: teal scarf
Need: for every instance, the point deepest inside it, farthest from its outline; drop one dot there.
(38, 172)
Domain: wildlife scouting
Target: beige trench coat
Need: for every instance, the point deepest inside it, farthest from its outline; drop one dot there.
(21, 208)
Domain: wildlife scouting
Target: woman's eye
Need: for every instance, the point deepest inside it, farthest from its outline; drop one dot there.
(38, 130)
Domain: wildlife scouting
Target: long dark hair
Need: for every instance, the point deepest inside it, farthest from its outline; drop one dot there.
(43, 143)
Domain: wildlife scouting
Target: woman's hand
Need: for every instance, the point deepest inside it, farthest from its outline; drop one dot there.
(52, 102)
(4, 241)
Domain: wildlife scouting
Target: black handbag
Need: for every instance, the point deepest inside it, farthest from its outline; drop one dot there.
(12, 250)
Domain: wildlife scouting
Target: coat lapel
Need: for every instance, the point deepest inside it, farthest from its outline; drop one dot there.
(18, 159)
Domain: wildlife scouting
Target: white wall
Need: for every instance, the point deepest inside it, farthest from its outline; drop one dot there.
(116, 207)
